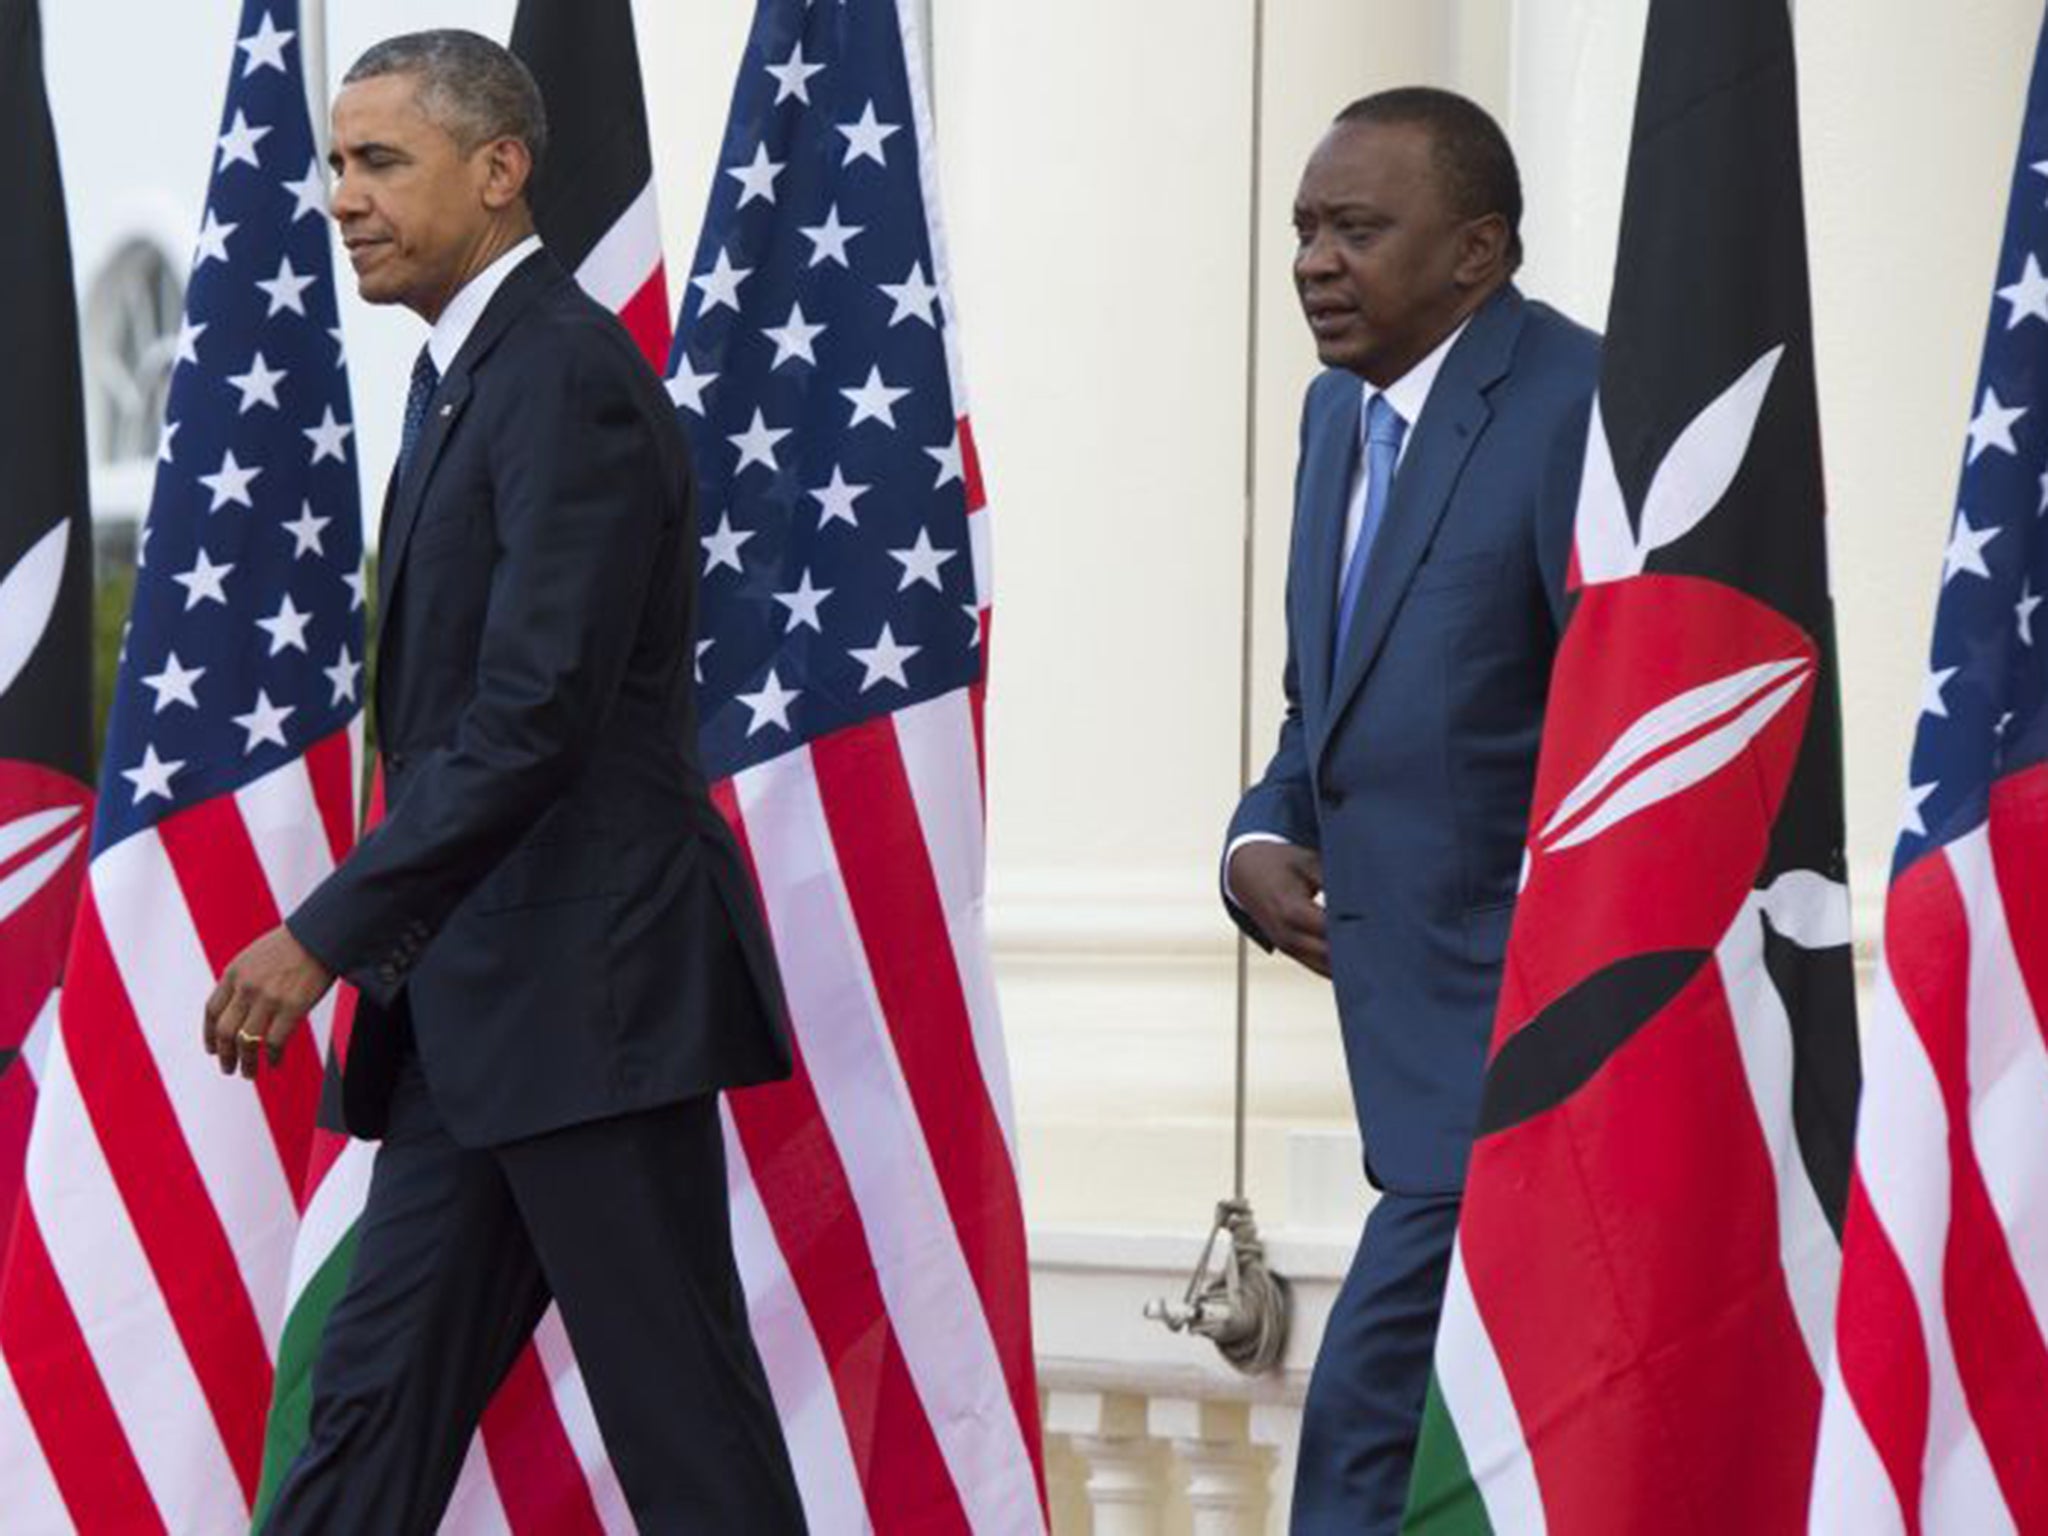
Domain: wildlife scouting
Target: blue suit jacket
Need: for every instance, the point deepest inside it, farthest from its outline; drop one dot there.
(1409, 760)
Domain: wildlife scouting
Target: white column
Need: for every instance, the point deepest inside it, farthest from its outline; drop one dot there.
(1572, 88)
(1226, 1474)
(1276, 1430)
(1107, 1431)
(1898, 317)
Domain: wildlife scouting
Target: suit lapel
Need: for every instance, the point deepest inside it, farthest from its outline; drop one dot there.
(1451, 422)
(1327, 474)
(442, 411)
(520, 288)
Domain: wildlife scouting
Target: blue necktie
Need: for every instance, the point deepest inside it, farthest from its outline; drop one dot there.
(426, 378)
(1384, 430)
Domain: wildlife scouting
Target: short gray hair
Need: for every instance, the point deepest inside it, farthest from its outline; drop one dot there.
(468, 85)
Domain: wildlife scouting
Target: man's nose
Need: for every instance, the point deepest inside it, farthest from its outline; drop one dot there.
(343, 200)
(1315, 256)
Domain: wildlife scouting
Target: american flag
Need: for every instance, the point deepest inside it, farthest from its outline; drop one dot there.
(1938, 1396)
(144, 1291)
(844, 598)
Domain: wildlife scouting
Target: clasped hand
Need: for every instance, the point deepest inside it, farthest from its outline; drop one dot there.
(1277, 885)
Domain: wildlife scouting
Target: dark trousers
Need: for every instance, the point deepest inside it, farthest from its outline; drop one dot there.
(621, 1221)
(1364, 1408)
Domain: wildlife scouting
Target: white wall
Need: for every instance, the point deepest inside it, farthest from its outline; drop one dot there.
(1912, 121)
(1130, 382)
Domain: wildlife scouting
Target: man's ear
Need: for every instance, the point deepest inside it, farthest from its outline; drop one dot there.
(1482, 249)
(507, 168)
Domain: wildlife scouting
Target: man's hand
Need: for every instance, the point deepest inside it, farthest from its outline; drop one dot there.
(1277, 885)
(264, 993)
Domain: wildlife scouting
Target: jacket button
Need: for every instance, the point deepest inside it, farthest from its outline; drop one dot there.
(1332, 797)
(394, 762)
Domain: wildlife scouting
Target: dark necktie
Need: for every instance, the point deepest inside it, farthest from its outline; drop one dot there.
(1384, 430)
(426, 378)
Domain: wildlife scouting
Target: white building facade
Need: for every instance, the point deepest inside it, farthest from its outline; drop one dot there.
(1118, 179)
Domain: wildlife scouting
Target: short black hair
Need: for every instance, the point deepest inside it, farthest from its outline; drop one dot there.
(475, 89)
(1472, 155)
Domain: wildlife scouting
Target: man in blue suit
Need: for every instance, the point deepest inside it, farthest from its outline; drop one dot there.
(1432, 531)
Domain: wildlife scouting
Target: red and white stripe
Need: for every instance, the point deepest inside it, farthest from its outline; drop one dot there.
(892, 1078)
(798, 1375)
(1936, 1418)
(146, 1282)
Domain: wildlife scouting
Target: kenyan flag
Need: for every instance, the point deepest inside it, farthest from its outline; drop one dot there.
(46, 769)
(1640, 1303)
(337, 1184)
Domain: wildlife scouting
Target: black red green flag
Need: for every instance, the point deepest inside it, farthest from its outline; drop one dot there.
(593, 193)
(45, 583)
(1640, 1308)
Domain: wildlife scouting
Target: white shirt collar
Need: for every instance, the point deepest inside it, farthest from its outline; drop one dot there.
(467, 307)
(1410, 392)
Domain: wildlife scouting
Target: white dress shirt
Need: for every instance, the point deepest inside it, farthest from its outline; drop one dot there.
(467, 307)
(1407, 395)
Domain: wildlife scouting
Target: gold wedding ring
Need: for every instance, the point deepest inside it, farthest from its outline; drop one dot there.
(246, 1038)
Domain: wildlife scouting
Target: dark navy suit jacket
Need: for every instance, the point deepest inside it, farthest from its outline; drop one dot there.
(552, 900)
(1409, 761)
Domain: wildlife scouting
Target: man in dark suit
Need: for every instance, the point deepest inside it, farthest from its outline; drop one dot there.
(559, 957)
(1383, 844)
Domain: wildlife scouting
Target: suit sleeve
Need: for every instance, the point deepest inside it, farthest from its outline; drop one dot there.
(578, 505)
(1281, 803)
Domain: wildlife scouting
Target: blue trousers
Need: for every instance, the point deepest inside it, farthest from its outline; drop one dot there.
(1365, 1397)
